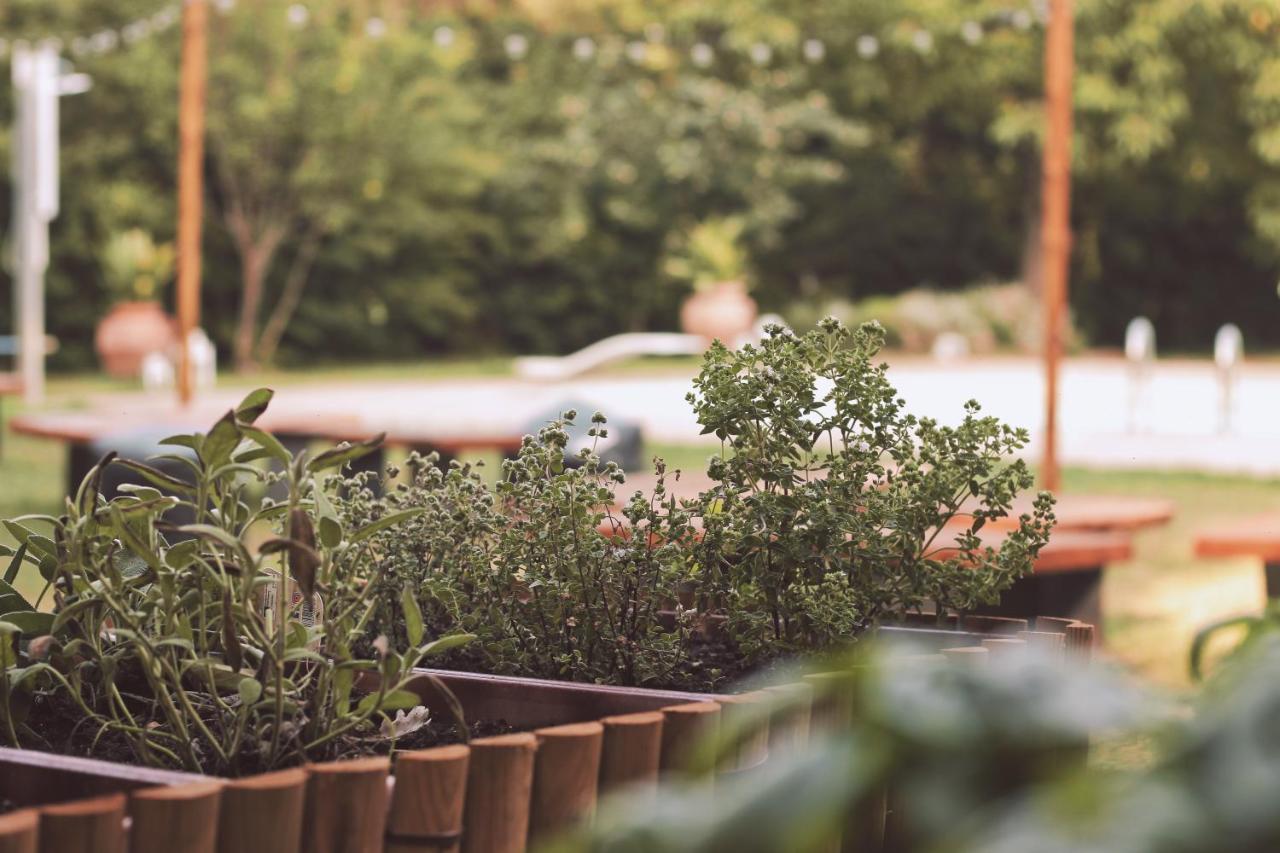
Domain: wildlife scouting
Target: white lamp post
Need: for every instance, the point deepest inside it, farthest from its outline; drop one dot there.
(38, 83)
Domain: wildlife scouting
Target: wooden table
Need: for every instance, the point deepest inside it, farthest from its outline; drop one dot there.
(84, 431)
(1258, 536)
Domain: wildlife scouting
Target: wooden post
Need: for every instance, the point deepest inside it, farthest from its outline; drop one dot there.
(263, 814)
(18, 831)
(346, 809)
(1055, 200)
(183, 818)
(631, 754)
(427, 804)
(191, 105)
(499, 784)
(92, 826)
(566, 778)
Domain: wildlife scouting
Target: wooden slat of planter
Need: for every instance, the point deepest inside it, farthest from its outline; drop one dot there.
(85, 826)
(683, 726)
(967, 655)
(1080, 640)
(1053, 645)
(1000, 647)
(175, 819)
(832, 701)
(346, 806)
(32, 778)
(993, 624)
(263, 814)
(566, 776)
(748, 710)
(18, 831)
(789, 724)
(631, 753)
(1054, 624)
(499, 783)
(427, 803)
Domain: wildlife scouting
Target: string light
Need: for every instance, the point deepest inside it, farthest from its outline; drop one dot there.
(584, 49)
(761, 53)
(517, 45)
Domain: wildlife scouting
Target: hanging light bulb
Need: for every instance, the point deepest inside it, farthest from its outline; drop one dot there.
(584, 49)
(702, 55)
(297, 15)
(637, 51)
(443, 36)
(922, 41)
(814, 50)
(224, 6)
(375, 28)
(760, 53)
(971, 32)
(1021, 19)
(867, 46)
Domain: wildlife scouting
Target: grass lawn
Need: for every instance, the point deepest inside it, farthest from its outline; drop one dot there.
(1153, 603)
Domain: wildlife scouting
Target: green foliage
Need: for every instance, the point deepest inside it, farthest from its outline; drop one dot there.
(1251, 630)
(136, 267)
(711, 254)
(225, 643)
(993, 759)
(830, 513)
(833, 504)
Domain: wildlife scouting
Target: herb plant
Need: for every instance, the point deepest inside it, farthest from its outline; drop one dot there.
(227, 645)
(832, 510)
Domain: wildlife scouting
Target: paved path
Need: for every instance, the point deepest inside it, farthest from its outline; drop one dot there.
(1177, 423)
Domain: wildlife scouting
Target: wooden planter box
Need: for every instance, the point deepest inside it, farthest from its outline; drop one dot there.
(497, 795)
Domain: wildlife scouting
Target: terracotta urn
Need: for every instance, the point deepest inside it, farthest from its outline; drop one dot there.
(129, 333)
(723, 311)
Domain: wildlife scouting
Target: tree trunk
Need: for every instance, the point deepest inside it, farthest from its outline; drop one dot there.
(257, 250)
(294, 283)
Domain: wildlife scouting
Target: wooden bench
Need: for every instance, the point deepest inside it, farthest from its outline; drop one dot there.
(1258, 537)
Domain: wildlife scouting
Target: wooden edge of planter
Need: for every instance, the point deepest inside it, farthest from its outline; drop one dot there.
(792, 718)
(499, 785)
(95, 824)
(968, 655)
(181, 818)
(32, 778)
(631, 753)
(264, 813)
(682, 727)
(19, 831)
(428, 799)
(346, 806)
(531, 703)
(566, 777)
(746, 715)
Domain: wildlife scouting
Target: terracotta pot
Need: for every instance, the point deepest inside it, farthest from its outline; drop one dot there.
(724, 312)
(129, 333)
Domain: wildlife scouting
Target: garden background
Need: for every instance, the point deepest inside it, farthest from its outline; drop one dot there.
(494, 177)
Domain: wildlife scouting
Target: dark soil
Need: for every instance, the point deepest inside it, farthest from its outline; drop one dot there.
(59, 729)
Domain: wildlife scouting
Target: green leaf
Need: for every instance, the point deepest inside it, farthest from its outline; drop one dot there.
(31, 623)
(385, 522)
(91, 485)
(223, 438)
(11, 573)
(444, 644)
(157, 477)
(250, 690)
(394, 700)
(339, 456)
(190, 442)
(412, 616)
(330, 532)
(211, 533)
(253, 405)
(268, 442)
(304, 654)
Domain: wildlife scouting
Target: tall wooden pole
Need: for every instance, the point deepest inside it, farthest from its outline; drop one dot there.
(1055, 200)
(191, 105)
